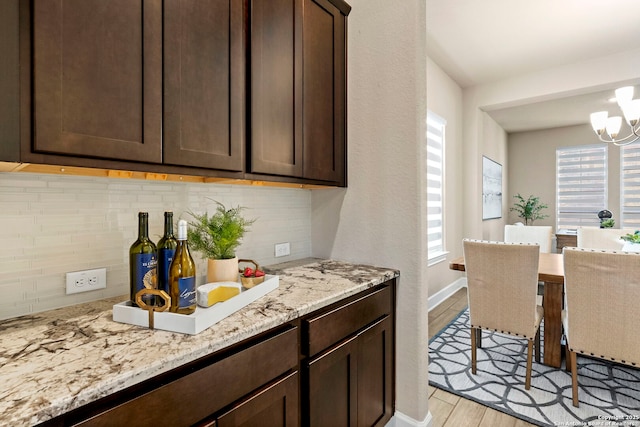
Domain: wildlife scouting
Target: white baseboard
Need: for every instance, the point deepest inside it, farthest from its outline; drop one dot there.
(445, 293)
(401, 420)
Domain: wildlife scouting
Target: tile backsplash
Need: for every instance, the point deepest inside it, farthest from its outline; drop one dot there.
(54, 224)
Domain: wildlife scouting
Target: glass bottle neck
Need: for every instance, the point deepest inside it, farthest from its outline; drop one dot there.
(168, 224)
(143, 226)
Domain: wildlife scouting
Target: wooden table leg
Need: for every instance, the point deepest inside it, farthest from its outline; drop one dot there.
(553, 324)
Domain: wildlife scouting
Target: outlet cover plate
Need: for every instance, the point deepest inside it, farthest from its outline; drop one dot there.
(86, 280)
(282, 249)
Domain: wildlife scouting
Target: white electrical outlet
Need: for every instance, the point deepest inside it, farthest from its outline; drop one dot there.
(87, 280)
(282, 249)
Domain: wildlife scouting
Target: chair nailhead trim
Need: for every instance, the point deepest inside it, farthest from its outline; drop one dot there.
(502, 332)
(613, 359)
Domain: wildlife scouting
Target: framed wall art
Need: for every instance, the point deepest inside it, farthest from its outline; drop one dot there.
(491, 189)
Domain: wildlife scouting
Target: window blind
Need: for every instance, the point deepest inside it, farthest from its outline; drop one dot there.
(435, 189)
(581, 185)
(630, 186)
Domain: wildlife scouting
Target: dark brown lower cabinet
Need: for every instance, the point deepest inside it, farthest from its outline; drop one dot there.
(351, 383)
(332, 383)
(375, 374)
(275, 406)
(333, 367)
(197, 393)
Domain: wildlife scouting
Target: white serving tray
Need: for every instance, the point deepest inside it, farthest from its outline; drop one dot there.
(201, 319)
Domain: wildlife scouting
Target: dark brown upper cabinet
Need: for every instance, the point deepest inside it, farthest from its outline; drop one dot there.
(97, 78)
(298, 89)
(324, 92)
(251, 89)
(148, 84)
(204, 83)
(276, 87)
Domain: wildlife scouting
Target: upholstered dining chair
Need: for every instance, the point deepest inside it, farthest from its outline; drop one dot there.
(502, 283)
(602, 295)
(540, 234)
(602, 238)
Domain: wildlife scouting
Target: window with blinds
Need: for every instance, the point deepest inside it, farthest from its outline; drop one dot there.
(435, 187)
(630, 186)
(581, 185)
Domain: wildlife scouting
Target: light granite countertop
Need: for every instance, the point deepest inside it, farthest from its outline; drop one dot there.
(56, 361)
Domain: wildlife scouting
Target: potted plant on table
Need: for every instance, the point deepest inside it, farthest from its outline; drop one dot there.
(529, 209)
(608, 223)
(631, 242)
(217, 237)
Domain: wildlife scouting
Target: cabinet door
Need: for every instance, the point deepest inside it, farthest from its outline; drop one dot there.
(204, 79)
(275, 406)
(324, 96)
(98, 78)
(298, 89)
(276, 87)
(333, 386)
(375, 374)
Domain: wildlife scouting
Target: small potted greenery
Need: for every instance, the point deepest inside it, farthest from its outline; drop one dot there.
(632, 237)
(607, 223)
(217, 237)
(529, 209)
(631, 242)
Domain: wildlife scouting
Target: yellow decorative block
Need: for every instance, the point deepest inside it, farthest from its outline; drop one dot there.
(212, 293)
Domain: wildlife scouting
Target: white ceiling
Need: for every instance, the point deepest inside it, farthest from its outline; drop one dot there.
(482, 41)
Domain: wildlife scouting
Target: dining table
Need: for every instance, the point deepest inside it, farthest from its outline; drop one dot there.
(551, 273)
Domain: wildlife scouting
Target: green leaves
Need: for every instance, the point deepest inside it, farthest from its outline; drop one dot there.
(217, 236)
(529, 209)
(608, 223)
(633, 238)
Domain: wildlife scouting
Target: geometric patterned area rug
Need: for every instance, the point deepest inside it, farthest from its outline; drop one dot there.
(609, 394)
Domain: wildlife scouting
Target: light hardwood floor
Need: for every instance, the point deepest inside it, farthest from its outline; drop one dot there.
(449, 410)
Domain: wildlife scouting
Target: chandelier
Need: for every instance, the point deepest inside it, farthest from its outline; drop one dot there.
(630, 107)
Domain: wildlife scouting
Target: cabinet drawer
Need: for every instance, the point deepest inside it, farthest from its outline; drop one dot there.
(326, 329)
(275, 405)
(198, 395)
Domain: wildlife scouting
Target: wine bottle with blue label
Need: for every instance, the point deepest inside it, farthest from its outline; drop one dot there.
(182, 275)
(143, 260)
(166, 249)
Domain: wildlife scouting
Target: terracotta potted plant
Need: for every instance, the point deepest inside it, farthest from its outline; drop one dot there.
(217, 237)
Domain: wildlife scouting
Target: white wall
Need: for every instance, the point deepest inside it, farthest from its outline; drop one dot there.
(444, 97)
(532, 157)
(379, 219)
(53, 224)
(493, 146)
(573, 79)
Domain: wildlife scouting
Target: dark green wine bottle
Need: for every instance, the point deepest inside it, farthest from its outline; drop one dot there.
(166, 248)
(182, 275)
(143, 260)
